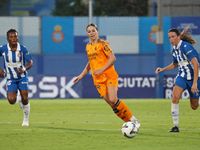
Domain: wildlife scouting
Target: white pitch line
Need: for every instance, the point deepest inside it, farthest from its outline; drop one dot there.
(101, 129)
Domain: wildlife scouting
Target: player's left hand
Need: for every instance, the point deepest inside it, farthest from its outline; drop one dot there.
(194, 89)
(97, 71)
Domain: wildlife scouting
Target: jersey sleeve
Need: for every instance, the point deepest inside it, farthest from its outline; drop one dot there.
(106, 47)
(189, 51)
(1, 50)
(26, 54)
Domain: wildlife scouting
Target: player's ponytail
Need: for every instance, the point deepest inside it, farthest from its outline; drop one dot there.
(186, 35)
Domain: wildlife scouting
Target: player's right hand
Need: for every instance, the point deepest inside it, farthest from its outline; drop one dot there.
(2, 72)
(77, 79)
(158, 70)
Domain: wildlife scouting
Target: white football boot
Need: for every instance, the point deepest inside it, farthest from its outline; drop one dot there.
(137, 123)
(26, 110)
(25, 123)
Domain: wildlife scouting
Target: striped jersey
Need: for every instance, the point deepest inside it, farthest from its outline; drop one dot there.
(14, 60)
(182, 55)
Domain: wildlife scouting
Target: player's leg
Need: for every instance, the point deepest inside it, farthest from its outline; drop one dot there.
(25, 107)
(177, 92)
(11, 91)
(12, 96)
(19, 99)
(194, 97)
(118, 106)
(23, 88)
(109, 93)
(194, 103)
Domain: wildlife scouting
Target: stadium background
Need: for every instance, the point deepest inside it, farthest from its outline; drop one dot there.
(57, 45)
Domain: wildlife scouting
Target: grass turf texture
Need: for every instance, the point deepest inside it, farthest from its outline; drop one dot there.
(91, 124)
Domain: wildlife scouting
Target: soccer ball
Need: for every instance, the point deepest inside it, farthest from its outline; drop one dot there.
(129, 129)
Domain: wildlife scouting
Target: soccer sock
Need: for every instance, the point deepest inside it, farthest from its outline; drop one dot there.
(132, 119)
(19, 99)
(26, 110)
(122, 111)
(175, 114)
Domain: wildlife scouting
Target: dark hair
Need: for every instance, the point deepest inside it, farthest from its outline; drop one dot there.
(186, 35)
(11, 30)
(92, 24)
(175, 30)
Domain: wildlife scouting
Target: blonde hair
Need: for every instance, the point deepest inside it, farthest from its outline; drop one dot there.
(92, 24)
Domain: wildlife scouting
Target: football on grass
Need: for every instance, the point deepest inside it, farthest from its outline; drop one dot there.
(129, 130)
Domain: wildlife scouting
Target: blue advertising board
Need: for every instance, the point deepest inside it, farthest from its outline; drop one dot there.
(147, 34)
(193, 22)
(182, 22)
(61, 87)
(57, 35)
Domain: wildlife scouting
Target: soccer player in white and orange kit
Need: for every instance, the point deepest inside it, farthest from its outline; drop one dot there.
(101, 59)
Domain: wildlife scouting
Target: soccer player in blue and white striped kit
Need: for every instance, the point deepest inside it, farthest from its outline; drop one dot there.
(15, 56)
(187, 59)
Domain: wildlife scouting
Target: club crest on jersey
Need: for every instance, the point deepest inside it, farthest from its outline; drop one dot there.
(95, 48)
(19, 54)
(99, 87)
(106, 48)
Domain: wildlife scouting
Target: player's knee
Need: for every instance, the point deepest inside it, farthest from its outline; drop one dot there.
(25, 101)
(112, 102)
(194, 107)
(175, 100)
(12, 100)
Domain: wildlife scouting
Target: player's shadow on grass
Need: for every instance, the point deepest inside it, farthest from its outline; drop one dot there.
(69, 129)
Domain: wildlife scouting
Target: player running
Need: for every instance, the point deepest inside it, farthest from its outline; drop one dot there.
(187, 59)
(101, 59)
(14, 56)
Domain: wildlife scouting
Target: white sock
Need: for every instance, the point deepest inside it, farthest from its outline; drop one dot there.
(26, 110)
(18, 97)
(132, 119)
(175, 114)
(199, 100)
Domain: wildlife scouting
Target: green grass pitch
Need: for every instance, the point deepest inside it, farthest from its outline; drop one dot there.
(90, 124)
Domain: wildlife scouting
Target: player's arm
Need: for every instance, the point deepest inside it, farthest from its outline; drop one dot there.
(27, 67)
(84, 72)
(195, 63)
(2, 72)
(170, 67)
(110, 62)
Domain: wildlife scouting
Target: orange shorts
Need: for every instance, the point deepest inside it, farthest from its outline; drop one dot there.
(102, 87)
